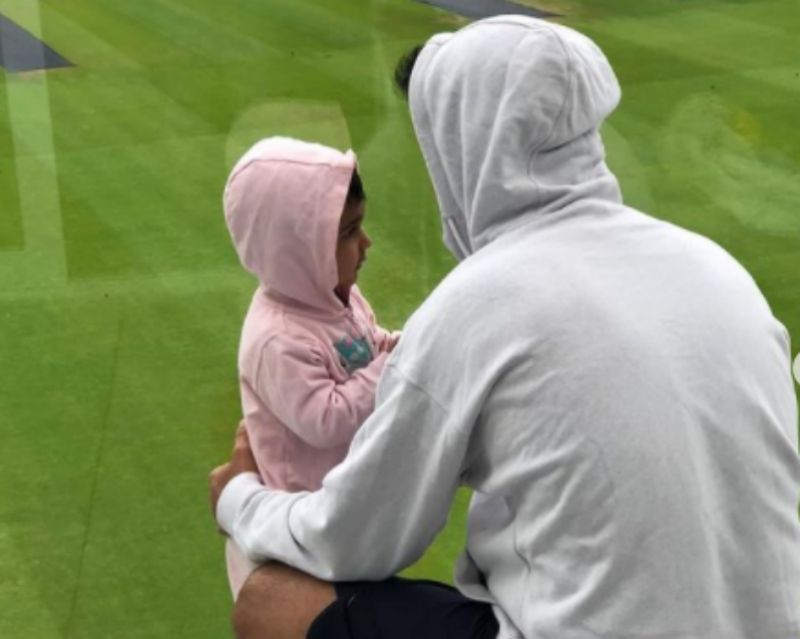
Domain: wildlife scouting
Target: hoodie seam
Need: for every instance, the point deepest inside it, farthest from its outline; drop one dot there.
(497, 124)
(563, 108)
(239, 170)
(417, 386)
(322, 318)
(543, 26)
(314, 344)
(310, 346)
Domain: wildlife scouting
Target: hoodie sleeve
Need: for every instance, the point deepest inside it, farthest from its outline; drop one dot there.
(294, 378)
(384, 340)
(389, 498)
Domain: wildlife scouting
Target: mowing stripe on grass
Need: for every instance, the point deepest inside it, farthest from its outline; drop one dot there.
(486, 8)
(10, 218)
(41, 262)
(22, 51)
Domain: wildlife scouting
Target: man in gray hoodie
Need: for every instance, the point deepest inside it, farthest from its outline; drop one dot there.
(614, 389)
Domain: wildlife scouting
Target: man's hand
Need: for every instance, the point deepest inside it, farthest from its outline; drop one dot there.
(242, 461)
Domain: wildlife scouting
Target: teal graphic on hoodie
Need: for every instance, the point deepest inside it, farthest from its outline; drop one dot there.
(354, 353)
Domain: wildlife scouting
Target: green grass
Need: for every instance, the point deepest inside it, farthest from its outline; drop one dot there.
(122, 298)
(11, 236)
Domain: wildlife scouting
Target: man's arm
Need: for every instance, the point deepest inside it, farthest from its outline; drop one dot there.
(377, 512)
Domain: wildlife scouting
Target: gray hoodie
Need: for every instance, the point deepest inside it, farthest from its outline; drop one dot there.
(614, 389)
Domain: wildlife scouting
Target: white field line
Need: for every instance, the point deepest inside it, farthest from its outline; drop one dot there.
(42, 262)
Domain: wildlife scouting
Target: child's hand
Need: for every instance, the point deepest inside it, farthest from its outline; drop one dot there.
(391, 341)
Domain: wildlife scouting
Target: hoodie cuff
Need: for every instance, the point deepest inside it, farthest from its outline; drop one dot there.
(236, 493)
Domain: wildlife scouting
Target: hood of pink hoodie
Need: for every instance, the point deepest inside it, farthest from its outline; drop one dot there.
(283, 202)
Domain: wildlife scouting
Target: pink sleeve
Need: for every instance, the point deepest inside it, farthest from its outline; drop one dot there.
(380, 336)
(294, 379)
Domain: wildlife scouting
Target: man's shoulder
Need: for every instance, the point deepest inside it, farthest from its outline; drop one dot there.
(476, 294)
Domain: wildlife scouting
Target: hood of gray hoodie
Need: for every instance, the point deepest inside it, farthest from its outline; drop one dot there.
(507, 113)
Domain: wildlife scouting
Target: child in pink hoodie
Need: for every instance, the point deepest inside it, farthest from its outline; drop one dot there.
(311, 352)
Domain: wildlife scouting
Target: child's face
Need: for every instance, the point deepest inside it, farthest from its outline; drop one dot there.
(352, 245)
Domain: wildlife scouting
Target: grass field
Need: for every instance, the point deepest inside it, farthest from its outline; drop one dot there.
(121, 298)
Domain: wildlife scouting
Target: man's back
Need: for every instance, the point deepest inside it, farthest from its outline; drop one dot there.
(615, 389)
(634, 452)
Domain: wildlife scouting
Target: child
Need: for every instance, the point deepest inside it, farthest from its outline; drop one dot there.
(310, 353)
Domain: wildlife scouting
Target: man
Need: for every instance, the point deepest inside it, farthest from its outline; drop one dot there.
(614, 389)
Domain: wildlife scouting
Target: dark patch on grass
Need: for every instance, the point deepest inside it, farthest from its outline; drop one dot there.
(487, 8)
(22, 51)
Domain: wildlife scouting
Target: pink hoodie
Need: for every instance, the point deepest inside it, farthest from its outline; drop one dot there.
(308, 365)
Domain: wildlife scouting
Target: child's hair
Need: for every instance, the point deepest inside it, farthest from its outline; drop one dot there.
(405, 65)
(356, 194)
